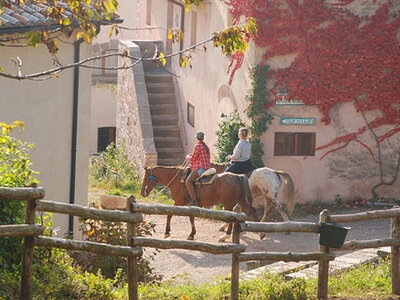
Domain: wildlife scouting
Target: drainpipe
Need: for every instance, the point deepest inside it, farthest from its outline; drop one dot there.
(75, 99)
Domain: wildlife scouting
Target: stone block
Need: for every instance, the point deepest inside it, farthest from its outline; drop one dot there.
(147, 130)
(148, 145)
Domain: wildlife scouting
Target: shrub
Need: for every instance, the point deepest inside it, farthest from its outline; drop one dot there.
(112, 169)
(113, 233)
(56, 277)
(15, 171)
(227, 136)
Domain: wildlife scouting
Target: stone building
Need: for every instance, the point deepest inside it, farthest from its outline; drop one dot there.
(203, 93)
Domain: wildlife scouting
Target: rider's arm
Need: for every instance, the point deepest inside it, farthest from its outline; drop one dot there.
(192, 157)
(236, 152)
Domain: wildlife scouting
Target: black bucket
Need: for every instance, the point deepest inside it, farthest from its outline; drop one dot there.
(332, 235)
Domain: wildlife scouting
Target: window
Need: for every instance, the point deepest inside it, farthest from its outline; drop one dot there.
(190, 114)
(105, 136)
(106, 75)
(193, 28)
(294, 144)
(148, 13)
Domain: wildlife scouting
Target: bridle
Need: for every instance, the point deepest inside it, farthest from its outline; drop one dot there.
(152, 179)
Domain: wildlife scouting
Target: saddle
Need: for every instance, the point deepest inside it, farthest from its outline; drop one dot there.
(208, 177)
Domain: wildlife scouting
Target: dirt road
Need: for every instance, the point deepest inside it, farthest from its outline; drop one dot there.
(200, 267)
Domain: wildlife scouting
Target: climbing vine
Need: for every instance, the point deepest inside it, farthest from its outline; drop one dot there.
(257, 110)
(227, 136)
(338, 56)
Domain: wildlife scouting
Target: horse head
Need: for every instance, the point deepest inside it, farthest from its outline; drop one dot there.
(149, 182)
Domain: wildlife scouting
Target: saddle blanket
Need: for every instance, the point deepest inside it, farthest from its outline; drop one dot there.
(203, 180)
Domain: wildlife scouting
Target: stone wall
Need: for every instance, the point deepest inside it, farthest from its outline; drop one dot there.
(134, 126)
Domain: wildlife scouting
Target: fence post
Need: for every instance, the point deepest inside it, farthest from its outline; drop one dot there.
(395, 234)
(27, 253)
(235, 264)
(132, 260)
(323, 265)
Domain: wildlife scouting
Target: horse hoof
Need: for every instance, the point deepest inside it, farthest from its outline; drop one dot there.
(224, 238)
(262, 235)
(222, 228)
(166, 235)
(190, 238)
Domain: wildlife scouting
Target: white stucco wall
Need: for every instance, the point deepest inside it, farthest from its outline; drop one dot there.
(45, 107)
(104, 96)
(102, 110)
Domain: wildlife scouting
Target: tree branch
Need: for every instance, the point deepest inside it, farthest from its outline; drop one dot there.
(387, 183)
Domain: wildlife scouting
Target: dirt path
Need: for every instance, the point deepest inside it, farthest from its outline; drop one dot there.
(199, 267)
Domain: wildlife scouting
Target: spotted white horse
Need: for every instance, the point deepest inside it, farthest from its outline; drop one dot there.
(267, 182)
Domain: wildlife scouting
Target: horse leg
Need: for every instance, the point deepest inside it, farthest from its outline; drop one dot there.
(223, 227)
(279, 209)
(227, 235)
(168, 226)
(267, 210)
(191, 236)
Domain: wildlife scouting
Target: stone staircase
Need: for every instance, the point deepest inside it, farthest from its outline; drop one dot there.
(163, 109)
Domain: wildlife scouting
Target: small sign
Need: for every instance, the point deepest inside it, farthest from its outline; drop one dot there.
(281, 99)
(297, 121)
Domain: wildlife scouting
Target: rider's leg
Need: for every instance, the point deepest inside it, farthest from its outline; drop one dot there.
(190, 186)
(231, 168)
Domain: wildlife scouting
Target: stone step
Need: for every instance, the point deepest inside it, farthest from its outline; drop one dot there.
(170, 153)
(167, 109)
(160, 88)
(166, 132)
(341, 263)
(279, 267)
(170, 162)
(154, 78)
(165, 142)
(161, 99)
(166, 120)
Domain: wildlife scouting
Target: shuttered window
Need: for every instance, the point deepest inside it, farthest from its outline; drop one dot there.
(294, 144)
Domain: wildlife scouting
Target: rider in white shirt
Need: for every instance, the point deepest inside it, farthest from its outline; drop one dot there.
(240, 159)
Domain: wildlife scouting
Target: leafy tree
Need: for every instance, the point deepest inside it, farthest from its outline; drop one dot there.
(15, 171)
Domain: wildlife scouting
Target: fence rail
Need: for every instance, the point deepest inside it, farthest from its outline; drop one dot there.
(225, 216)
(20, 230)
(133, 215)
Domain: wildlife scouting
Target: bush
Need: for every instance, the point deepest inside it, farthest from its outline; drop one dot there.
(112, 170)
(55, 276)
(15, 171)
(227, 136)
(113, 233)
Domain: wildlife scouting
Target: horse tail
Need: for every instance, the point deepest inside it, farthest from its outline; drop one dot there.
(289, 188)
(246, 193)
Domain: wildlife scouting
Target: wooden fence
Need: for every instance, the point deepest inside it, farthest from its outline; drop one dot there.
(133, 215)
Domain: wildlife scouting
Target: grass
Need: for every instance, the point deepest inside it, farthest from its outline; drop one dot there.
(369, 281)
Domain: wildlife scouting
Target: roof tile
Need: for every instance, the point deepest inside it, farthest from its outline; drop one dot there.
(30, 15)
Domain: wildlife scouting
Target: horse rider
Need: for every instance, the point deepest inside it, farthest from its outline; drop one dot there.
(240, 159)
(200, 162)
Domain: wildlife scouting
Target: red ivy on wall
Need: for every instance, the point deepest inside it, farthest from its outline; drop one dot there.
(339, 56)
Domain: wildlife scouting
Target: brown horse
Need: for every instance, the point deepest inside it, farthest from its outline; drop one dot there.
(228, 189)
(267, 182)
